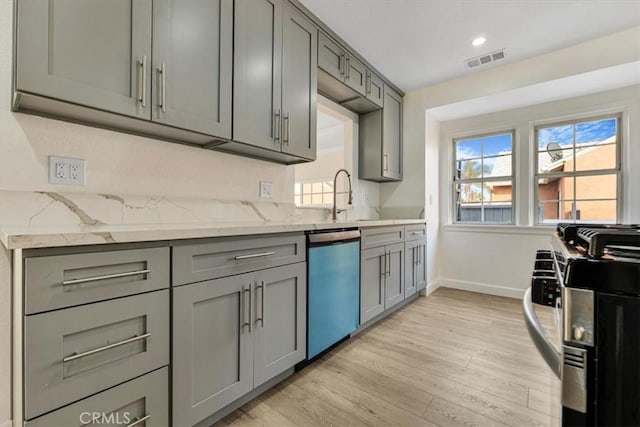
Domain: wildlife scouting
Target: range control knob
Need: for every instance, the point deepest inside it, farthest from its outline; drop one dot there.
(579, 333)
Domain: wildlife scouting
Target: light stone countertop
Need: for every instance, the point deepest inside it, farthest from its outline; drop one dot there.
(40, 219)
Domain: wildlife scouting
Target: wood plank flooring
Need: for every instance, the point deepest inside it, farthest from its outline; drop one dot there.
(454, 358)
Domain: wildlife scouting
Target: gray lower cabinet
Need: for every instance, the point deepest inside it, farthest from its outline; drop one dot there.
(381, 283)
(275, 78)
(72, 353)
(415, 266)
(192, 65)
(380, 149)
(394, 280)
(143, 401)
(232, 334)
(372, 283)
(89, 52)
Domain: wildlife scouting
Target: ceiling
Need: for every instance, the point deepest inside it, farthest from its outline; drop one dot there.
(416, 43)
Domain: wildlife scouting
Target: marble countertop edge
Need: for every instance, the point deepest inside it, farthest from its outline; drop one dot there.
(45, 237)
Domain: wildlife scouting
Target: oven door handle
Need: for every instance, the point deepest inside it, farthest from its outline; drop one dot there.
(539, 336)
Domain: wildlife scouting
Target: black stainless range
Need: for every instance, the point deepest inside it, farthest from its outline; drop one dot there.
(591, 276)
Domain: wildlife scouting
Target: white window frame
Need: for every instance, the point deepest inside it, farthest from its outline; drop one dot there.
(592, 172)
(456, 180)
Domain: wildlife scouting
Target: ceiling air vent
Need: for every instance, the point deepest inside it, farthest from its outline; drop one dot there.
(485, 59)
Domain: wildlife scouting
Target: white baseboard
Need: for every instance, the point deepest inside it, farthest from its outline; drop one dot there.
(431, 287)
(483, 288)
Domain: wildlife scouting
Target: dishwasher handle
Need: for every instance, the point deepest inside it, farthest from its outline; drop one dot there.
(333, 237)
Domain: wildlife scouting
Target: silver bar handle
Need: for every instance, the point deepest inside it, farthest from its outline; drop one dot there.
(386, 162)
(141, 420)
(368, 83)
(105, 277)
(286, 129)
(261, 318)
(106, 347)
(389, 262)
(163, 84)
(383, 265)
(142, 89)
(261, 254)
(539, 336)
(244, 292)
(277, 125)
(340, 64)
(348, 67)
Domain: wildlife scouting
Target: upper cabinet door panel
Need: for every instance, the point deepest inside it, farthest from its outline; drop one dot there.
(90, 52)
(356, 75)
(392, 134)
(192, 64)
(257, 73)
(299, 84)
(331, 57)
(375, 89)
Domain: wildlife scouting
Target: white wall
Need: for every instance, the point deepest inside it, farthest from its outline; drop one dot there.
(424, 183)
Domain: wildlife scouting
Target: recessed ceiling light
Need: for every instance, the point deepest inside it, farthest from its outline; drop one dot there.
(478, 41)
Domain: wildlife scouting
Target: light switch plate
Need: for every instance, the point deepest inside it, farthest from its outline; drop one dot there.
(67, 171)
(266, 189)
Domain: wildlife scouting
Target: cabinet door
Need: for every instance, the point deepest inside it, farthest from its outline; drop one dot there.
(392, 135)
(90, 52)
(372, 278)
(356, 74)
(192, 68)
(212, 346)
(410, 268)
(299, 84)
(257, 73)
(421, 268)
(280, 320)
(331, 56)
(375, 89)
(394, 283)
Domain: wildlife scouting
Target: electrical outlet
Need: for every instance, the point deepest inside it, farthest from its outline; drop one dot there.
(63, 170)
(266, 189)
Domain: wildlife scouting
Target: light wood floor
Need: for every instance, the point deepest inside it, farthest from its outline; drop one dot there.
(453, 358)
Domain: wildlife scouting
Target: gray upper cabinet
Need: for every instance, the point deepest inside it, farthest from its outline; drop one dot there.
(355, 74)
(257, 114)
(192, 64)
(299, 84)
(331, 56)
(212, 347)
(380, 149)
(275, 79)
(89, 52)
(280, 320)
(375, 89)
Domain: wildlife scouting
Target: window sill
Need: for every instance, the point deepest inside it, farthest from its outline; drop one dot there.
(540, 230)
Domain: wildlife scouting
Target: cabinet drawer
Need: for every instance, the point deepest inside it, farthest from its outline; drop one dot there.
(70, 354)
(415, 232)
(226, 257)
(142, 398)
(380, 236)
(59, 281)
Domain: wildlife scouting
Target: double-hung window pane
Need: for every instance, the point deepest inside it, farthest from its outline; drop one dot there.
(578, 171)
(483, 179)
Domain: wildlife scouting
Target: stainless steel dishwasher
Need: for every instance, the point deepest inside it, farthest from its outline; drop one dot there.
(333, 295)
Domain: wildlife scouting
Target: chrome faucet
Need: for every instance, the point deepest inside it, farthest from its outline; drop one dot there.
(335, 211)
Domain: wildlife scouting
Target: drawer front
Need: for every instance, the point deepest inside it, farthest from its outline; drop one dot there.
(143, 400)
(226, 257)
(415, 232)
(53, 282)
(70, 354)
(381, 236)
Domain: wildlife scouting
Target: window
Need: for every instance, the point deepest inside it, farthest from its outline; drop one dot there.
(578, 171)
(316, 193)
(483, 181)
